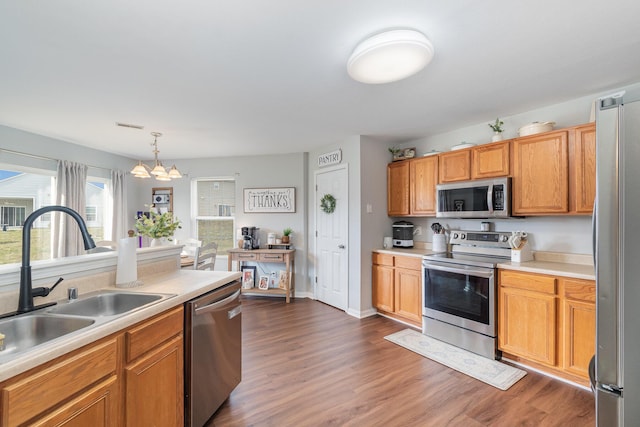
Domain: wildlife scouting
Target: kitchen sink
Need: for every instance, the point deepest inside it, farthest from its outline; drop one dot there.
(27, 331)
(106, 304)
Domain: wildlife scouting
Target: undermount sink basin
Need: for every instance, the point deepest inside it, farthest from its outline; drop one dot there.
(24, 332)
(106, 304)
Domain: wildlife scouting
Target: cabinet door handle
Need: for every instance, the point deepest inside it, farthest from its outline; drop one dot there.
(340, 246)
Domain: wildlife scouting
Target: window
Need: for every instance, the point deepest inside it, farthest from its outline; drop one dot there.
(24, 191)
(214, 211)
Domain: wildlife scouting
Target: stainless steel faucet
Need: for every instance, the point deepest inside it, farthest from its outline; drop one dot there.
(25, 299)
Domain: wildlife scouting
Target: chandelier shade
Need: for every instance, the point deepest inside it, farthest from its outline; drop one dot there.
(158, 171)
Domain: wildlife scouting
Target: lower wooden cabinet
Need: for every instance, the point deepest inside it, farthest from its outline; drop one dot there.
(527, 320)
(579, 325)
(161, 369)
(133, 377)
(155, 362)
(98, 407)
(547, 320)
(397, 287)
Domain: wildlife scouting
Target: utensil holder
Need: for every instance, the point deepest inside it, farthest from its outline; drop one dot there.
(522, 254)
(439, 243)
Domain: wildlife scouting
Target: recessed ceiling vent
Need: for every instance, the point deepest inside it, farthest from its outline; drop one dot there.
(128, 125)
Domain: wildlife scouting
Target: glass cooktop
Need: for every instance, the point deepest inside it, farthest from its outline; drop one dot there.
(488, 261)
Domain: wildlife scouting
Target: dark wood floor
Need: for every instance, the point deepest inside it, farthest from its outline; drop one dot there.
(308, 364)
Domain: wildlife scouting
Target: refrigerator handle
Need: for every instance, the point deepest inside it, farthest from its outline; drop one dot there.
(593, 229)
(592, 373)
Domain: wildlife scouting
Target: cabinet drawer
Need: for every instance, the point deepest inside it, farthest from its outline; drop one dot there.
(271, 257)
(530, 282)
(150, 334)
(42, 391)
(408, 262)
(383, 259)
(581, 290)
(246, 256)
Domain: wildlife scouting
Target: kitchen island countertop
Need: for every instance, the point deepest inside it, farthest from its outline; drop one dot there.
(184, 284)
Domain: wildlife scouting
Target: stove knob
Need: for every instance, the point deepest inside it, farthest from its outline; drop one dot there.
(504, 238)
(463, 236)
(455, 235)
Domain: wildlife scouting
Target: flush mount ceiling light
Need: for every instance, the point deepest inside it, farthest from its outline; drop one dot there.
(143, 171)
(390, 56)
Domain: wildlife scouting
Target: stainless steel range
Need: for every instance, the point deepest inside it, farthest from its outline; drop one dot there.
(460, 292)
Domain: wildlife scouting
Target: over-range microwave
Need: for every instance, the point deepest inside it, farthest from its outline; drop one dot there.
(487, 198)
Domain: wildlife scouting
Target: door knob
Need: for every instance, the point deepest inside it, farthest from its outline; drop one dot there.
(340, 246)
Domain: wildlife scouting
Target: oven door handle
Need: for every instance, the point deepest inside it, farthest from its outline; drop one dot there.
(467, 271)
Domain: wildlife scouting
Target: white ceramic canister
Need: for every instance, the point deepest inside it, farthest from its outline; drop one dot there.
(439, 243)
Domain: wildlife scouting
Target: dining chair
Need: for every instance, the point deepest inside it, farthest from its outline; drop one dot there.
(190, 246)
(205, 258)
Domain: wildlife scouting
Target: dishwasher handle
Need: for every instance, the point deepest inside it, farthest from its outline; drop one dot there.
(215, 305)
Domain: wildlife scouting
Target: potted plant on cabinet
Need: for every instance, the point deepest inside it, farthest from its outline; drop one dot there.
(497, 130)
(158, 227)
(286, 234)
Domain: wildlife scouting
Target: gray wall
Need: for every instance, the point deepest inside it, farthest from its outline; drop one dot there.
(283, 170)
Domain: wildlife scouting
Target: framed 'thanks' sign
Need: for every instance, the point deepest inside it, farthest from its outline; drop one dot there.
(270, 200)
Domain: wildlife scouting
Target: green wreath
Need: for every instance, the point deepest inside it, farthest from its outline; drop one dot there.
(328, 203)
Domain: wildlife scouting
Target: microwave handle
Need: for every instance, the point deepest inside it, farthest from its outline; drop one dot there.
(490, 198)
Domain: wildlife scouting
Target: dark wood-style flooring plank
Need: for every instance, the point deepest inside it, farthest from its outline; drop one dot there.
(308, 364)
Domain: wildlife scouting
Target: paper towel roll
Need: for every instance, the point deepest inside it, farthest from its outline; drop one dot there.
(127, 266)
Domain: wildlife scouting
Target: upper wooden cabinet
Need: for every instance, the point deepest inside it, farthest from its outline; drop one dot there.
(398, 188)
(541, 174)
(411, 187)
(582, 152)
(455, 166)
(490, 160)
(423, 177)
(484, 161)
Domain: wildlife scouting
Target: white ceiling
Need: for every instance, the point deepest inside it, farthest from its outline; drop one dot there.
(228, 77)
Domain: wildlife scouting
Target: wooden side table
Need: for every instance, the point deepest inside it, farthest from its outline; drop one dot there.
(285, 256)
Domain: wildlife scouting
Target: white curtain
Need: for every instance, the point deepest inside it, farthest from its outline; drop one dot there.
(70, 192)
(118, 190)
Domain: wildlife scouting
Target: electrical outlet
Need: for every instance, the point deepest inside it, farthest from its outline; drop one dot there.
(418, 231)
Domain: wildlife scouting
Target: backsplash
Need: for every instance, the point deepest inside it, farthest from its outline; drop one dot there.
(566, 234)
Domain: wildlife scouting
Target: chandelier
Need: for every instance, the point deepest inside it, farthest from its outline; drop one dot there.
(161, 174)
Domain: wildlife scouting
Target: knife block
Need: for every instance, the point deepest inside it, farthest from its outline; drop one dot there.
(522, 254)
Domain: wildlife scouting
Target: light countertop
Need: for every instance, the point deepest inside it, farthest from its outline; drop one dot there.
(571, 265)
(185, 284)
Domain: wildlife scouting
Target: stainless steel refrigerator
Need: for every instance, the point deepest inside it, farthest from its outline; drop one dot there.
(615, 369)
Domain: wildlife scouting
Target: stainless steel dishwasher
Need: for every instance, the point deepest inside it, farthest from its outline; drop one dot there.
(213, 354)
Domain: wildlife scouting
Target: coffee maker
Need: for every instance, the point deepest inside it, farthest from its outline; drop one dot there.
(250, 238)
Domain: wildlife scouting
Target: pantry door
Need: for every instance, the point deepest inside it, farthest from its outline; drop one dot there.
(332, 231)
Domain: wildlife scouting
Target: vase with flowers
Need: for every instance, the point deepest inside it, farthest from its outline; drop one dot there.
(158, 227)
